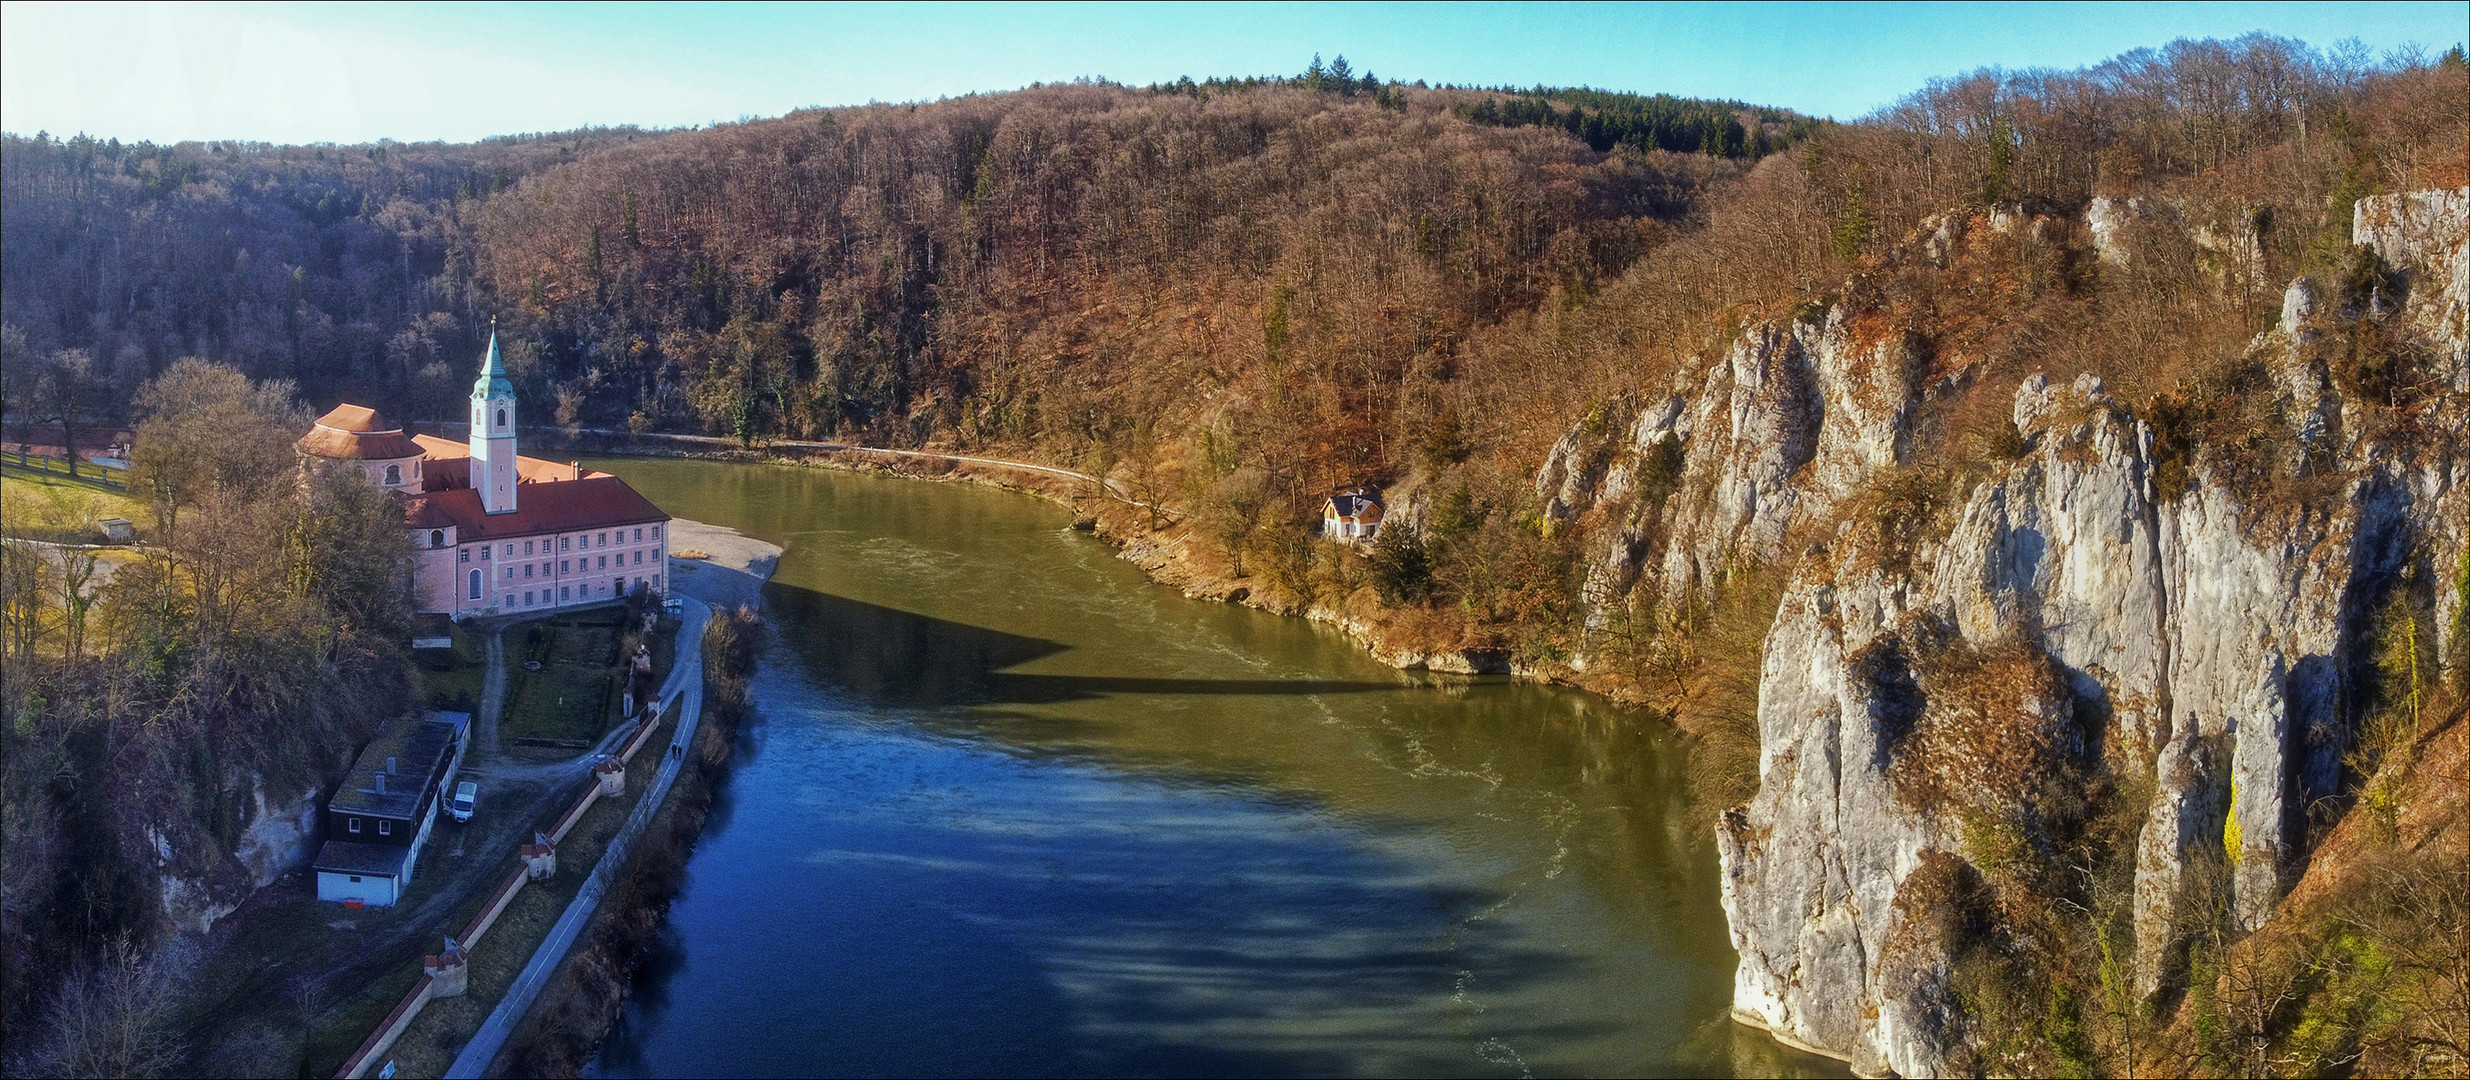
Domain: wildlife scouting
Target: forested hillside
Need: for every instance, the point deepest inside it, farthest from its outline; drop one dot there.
(1050, 267)
(1247, 292)
(165, 702)
(1646, 379)
(1334, 283)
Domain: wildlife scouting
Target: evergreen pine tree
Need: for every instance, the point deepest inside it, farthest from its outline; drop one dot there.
(1997, 170)
(1852, 223)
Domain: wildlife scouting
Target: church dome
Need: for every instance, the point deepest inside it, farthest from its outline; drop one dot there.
(356, 433)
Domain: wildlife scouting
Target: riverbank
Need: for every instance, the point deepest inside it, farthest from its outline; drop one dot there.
(581, 998)
(728, 568)
(1009, 803)
(1165, 545)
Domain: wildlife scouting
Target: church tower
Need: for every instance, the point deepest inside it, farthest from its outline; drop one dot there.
(493, 435)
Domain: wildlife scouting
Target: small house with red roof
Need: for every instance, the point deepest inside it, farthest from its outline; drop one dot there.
(494, 532)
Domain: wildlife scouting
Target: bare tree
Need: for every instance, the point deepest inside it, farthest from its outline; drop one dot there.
(64, 386)
(113, 1017)
(1240, 498)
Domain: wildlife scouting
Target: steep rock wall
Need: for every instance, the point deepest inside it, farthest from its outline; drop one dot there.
(1789, 421)
(200, 880)
(2146, 614)
(2201, 642)
(2422, 234)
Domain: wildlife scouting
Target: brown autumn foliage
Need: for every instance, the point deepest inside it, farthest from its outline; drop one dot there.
(149, 705)
(1315, 278)
(1234, 297)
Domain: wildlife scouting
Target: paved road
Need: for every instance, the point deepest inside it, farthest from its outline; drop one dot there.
(685, 689)
(1112, 488)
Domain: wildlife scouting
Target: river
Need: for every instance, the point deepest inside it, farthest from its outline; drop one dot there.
(1010, 808)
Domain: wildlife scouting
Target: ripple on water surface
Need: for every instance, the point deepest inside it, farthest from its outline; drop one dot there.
(1011, 809)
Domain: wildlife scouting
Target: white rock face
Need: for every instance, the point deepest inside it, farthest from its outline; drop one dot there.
(2214, 630)
(1811, 866)
(278, 838)
(2067, 544)
(1792, 419)
(2212, 636)
(2298, 307)
(2426, 236)
(199, 883)
(2109, 221)
(2237, 251)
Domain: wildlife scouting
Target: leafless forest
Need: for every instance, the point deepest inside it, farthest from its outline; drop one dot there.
(1231, 296)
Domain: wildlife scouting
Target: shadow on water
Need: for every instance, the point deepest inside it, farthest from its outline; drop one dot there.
(1043, 921)
(1007, 809)
(887, 657)
(1015, 931)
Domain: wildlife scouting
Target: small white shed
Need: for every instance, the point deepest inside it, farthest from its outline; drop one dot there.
(372, 874)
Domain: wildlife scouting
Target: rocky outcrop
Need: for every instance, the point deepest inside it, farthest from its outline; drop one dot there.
(2111, 602)
(198, 882)
(2112, 222)
(2425, 235)
(2211, 639)
(1790, 420)
(279, 836)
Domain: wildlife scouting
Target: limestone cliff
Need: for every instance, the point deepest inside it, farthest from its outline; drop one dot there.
(1957, 659)
(200, 879)
(1786, 424)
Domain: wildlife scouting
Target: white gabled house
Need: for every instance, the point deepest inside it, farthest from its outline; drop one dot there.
(1352, 516)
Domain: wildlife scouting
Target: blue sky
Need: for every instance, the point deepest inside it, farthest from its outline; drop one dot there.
(350, 73)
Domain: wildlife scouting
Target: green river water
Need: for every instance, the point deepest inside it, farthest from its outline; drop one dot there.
(1009, 808)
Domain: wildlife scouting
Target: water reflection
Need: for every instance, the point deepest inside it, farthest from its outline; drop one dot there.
(1010, 809)
(889, 657)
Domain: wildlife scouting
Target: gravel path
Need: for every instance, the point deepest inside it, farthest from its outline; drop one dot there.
(492, 691)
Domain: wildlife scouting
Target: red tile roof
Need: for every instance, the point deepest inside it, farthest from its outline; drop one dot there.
(449, 466)
(356, 433)
(356, 418)
(596, 501)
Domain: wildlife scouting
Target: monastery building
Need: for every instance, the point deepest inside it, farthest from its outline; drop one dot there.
(494, 532)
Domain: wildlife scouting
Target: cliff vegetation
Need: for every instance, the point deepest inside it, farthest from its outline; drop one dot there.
(2043, 498)
(173, 710)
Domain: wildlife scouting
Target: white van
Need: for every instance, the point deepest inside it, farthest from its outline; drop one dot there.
(467, 795)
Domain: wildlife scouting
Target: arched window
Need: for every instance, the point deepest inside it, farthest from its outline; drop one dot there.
(474, 588)
(501, 418)
(437, 538)
(394, 475)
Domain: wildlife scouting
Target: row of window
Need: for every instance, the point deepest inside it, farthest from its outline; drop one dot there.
(565, 593)
(437, 538)
(566, 566)
(384, 828)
